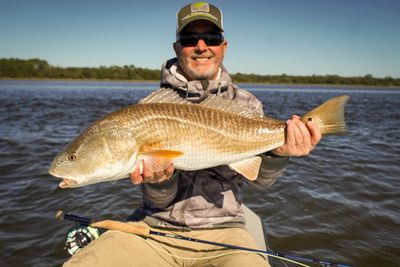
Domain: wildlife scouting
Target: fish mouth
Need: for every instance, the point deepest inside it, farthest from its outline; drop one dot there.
(67, 183)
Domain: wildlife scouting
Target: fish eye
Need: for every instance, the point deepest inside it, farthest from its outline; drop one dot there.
(72, 157)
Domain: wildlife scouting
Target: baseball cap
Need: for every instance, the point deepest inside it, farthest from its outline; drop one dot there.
(199, 11)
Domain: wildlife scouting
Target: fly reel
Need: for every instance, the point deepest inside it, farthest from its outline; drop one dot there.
(80, 236)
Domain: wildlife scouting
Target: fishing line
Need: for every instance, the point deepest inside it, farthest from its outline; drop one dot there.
(205, 196)
(269, 247)
(195, 186)
(146, 231)
(216, 256)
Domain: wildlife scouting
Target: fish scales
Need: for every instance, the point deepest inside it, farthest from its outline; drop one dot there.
(191, 136)
(173, 124)
(173, 127)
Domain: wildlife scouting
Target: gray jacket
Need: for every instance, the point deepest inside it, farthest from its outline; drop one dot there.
(206, 198)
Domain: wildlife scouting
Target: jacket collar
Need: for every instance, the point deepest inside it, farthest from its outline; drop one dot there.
(197, 90)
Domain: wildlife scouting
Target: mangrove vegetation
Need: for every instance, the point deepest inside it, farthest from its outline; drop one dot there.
(13, 68)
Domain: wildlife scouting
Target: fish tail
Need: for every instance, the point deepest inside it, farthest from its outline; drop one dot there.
(329, 117)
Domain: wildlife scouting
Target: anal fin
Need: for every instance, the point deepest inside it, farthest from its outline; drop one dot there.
(249, 168)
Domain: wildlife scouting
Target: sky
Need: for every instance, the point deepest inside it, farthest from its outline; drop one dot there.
(293, 37)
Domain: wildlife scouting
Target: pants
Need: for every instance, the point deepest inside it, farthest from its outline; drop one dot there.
(115, 248)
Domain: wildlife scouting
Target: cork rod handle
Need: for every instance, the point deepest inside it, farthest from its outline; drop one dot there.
(123, 227)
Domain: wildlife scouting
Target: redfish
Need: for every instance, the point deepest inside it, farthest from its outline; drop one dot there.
(164, 128)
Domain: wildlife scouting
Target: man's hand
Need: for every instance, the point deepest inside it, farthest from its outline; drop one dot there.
(300, 138)
(148, 176)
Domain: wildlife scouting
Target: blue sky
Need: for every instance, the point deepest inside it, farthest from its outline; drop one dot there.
(296, 37)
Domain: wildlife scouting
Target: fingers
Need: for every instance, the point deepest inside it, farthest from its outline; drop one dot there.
(290, 134)
(289, 147)
(170, 170)
(298, 130)
(135, 176)
(148, 176)
(314, 132)
(147, 173)
(301, 144)
(304, 140)
(301, 133)
(300, 138)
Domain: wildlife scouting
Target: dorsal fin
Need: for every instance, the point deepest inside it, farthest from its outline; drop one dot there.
(164, 96)
(230, 106)
(212, 101)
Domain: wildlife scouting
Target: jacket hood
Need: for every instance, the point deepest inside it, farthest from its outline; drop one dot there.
(198, 90)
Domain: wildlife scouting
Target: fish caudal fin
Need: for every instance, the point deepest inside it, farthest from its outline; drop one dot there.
(249, 168)
(329, 117)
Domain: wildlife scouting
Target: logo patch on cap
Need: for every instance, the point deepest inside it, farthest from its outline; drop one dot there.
(199, 11)
(200, 6)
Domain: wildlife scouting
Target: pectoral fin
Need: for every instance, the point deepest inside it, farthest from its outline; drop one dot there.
(159, 160)
(249, 168)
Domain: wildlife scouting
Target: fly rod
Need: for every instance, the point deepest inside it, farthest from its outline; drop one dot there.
(146, 231)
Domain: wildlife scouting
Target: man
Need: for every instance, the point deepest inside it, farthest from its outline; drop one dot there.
(203, 204)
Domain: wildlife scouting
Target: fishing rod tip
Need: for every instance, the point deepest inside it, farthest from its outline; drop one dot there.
(60, 215)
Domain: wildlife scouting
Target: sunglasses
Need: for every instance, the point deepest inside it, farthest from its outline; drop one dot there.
(192, 38)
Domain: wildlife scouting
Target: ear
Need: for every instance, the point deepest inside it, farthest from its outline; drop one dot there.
(225, 46)
(176, 47)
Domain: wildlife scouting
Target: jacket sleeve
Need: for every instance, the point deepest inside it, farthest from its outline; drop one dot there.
(271, 168)
(160, 195)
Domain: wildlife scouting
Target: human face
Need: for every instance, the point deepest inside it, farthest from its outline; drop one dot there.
(200, 62)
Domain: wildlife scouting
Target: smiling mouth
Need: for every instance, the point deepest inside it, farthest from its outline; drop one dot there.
(201, 59)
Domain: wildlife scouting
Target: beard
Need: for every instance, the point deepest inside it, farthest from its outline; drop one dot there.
(193, 72)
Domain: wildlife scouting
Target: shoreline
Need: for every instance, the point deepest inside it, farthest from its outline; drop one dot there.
(244, 83)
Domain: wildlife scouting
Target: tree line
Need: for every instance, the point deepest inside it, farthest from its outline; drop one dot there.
(41, 69)
(38, 68)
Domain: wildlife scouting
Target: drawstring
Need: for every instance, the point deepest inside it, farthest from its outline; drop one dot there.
(219, 88)
(197, 95)
(187, 91)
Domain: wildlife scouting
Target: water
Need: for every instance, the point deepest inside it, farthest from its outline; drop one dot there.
(341, 203)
